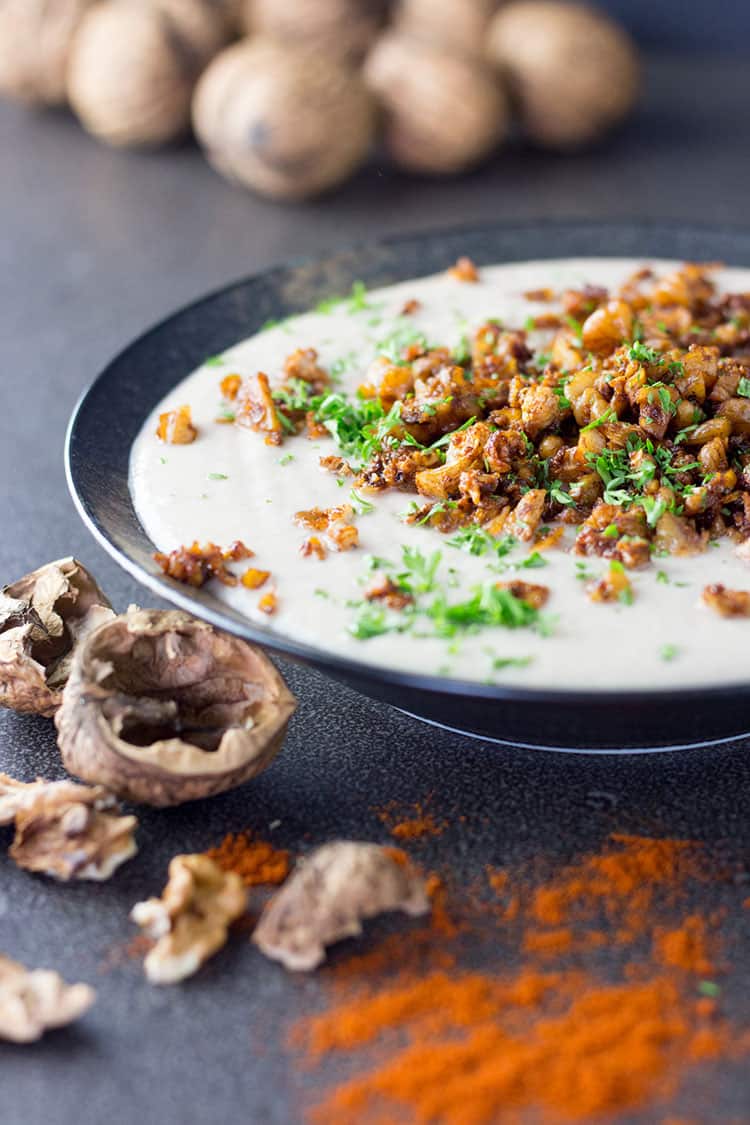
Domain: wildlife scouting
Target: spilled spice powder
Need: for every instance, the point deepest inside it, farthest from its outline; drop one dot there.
(539, 1032)
(410, 822)
(257, 862)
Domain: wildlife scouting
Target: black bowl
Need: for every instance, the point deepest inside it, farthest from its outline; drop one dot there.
(112, 411)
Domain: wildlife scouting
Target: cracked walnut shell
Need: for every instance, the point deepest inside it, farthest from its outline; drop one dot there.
(65, 830)
(43, 617)
(32, 1002)
(191, 919)
(161, 708)
(328, 896)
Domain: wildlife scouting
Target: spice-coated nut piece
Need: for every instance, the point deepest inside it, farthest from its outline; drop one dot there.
(459, 25)
(161, 708)
(443, 112)
(66, 830)
(134, 65)
(329, 895)
(189, 923)
(32, 1002)
(573, 71)
(341, 28)
(285, 121)
(35, 43)
(43, 617)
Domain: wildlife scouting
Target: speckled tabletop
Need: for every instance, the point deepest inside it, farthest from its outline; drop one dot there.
(94, 245)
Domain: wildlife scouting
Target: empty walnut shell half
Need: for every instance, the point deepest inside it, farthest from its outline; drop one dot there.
(43, 616)
(162, 709)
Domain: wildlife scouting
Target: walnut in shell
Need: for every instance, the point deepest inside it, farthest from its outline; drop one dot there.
(161, 708)
(43, 616)
(443, 112)
(32, 1002)
(35, 42)
(66, 830)
(189, 923)
(329, 895)
(283, 120)
(459, 25)
(134, 65)
(574, 72)
(344, 28)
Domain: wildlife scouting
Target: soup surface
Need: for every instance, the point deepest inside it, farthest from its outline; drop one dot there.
(229, 484)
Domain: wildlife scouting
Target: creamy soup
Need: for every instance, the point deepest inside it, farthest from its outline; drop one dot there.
(230, 485)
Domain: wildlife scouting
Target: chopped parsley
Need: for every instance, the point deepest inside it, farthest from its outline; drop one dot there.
(609, 415)
(218, 476)
(743, 387)
(476, 541)
(641, 354)
(361, 506)
(668, 652)
(214, 361)
(286, 459)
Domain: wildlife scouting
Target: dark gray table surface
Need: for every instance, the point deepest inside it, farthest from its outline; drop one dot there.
(95, 245)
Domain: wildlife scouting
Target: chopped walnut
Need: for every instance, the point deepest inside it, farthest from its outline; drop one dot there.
(319, 519)
(527, 514)
(194, 565)
(313, 545)
(540, 294)
(614, 587)
(176, 427)
(339, 534)
(727, 603)
(66, 830)
(464, 270)
(303, 364)
(533, 595)
(384, 589)
(35, 1001)
(269, 603)
(253, 579)
(190, 921)
(230, 386)
(329, 895)
(337, 465)
(410, 307)
(257, 411)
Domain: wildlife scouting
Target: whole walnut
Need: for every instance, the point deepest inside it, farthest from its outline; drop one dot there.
(460, 25)
(443, 112)
(346, 28)
(283, 120)
(573, 72)
(134, 65)
(35, 41)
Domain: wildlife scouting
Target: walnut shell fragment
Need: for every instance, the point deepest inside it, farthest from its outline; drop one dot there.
(35, 1001)
(162, 708)
(66, 830)
(35, 43)
(43, 616)
(190, 921)
(329, 895)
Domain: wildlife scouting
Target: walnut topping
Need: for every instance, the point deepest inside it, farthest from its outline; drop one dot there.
(66, 830)
(257, 411)
(253, 579)
(384, 589)
(540, 294)
(727, 603)
(329, 895)
(43, 617)
(230, 386)
(313, 545)
(176, 427)
(337, 465)
(303, 364)
(410, 307)
(339, 534)
(190, 921)
(35, 1001)
(194, 565)
(614, 587)
(269, 603)
(533, 595)
(464, 270)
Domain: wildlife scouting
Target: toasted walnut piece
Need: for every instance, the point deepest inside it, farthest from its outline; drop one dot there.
(329, 895)
(313, 545)
(614, 587)
(253, 579)
(38, 1000)
(303, 364)
(533, 595)
(384, 589)
(334, 464)
(527, 514)
(43, 616)
(268, 603)
(68, 831)
(727, 603)
(163, 709)
(191, 919)
(410, 307)
(230, 386)
(176, 427)
(464, 270)
(257, 411)
(194, 565)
